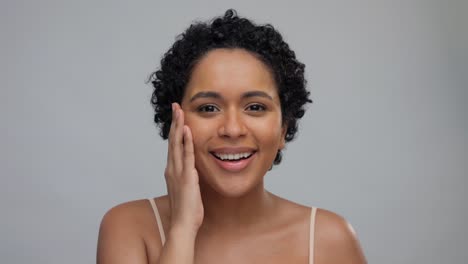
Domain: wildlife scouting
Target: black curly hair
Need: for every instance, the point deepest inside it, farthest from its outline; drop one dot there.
(230, 31)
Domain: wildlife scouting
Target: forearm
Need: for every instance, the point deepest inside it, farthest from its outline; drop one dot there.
(179, 247)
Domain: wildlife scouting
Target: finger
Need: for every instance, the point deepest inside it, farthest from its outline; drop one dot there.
(171, 135)
(189, 155)
(177, 145)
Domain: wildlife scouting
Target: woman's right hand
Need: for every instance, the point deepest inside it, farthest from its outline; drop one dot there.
(182, 177)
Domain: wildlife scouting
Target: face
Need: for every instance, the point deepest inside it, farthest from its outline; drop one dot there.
(232, 106)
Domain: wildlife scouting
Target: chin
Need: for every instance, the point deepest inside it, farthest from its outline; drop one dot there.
(230, 189)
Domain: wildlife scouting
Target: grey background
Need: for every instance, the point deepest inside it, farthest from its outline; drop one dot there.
(384, 144)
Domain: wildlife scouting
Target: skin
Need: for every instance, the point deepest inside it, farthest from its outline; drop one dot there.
(211, 214)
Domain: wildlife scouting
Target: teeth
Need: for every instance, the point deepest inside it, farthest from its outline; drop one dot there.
(235, 156)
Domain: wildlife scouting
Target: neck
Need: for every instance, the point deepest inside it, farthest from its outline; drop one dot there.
(236, 212)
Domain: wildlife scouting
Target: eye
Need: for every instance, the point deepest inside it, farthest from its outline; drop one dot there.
(207, 108)
(256, 107)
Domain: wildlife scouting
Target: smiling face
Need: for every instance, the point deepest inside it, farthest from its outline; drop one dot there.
(232, 106)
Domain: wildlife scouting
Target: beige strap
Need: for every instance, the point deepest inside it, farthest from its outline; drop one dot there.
(311, 236)
(158, 221)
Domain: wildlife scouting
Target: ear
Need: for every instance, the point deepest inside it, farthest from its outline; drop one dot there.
(284, 129)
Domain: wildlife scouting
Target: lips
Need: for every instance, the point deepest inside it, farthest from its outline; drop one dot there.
(233, 159)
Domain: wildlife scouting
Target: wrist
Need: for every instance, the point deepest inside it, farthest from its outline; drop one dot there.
(183, 232)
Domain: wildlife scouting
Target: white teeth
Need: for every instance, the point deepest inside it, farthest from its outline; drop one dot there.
(235, 156)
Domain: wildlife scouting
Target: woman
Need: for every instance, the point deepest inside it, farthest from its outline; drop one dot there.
(228, 97)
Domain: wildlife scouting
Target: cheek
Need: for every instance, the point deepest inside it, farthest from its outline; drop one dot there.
(267, 132)
(200, 133)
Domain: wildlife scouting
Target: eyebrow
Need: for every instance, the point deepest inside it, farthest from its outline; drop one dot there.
(216, 95)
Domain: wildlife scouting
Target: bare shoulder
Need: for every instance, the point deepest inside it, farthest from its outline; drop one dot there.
(126, 232)
(291, 214)
(125, 213)
(336, 240)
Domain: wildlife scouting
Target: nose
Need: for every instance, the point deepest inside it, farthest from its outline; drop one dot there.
(232, 125)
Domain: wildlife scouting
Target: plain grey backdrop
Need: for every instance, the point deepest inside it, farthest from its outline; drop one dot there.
(384, 144)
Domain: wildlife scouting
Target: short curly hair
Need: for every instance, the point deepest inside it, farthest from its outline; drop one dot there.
(230, 31)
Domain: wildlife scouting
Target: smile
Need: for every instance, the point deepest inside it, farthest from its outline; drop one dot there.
(233, 162)
(232, 156)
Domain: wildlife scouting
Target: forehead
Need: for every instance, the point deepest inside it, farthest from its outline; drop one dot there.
(231, 71)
